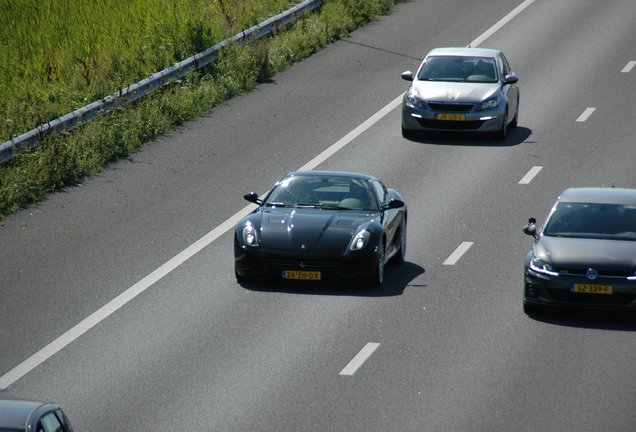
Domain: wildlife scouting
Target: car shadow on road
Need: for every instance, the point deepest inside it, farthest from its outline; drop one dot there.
(591, 319)
(396, 279)
(515, 137)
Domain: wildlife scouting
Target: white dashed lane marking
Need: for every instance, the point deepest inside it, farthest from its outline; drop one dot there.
(531, 174)
(630, 65)
(360, 358)
(588, 112)
(459, 252)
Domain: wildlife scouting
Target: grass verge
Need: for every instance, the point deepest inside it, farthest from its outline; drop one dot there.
(69, 158)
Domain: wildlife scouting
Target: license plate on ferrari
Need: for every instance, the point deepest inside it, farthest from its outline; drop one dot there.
(591, 289)
(302, 275)
(453, 117)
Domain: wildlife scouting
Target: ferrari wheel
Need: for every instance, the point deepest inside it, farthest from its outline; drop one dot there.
(240, 278)
(400, 256)
(378, 277)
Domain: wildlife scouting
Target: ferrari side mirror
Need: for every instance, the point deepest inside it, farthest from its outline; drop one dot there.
(251, 197)
(394, 203)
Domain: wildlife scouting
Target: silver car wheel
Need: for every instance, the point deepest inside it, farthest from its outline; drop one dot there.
(503, 132)
(515, 119)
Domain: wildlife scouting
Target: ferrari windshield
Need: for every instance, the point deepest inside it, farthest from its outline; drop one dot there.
(587, 220)
(322, 192)
(458, 69)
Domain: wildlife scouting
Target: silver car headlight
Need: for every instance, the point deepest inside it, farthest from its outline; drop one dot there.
(360, 241)
(250, 235)
(414, 101)
(489, 104)
(542, 267)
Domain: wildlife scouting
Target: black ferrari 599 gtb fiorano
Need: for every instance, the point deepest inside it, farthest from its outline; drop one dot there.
(315, 225)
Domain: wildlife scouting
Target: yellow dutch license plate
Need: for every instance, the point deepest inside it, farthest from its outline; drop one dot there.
(592, 289)
(453, 117)
(303, 275)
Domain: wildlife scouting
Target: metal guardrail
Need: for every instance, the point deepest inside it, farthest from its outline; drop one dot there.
(88, 113)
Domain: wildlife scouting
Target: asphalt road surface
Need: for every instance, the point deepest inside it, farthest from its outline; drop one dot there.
(118, 297)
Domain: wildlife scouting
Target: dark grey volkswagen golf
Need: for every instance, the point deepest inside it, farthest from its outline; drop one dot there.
(585, 253)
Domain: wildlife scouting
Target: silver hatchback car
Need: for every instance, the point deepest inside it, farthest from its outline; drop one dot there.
(461, 89)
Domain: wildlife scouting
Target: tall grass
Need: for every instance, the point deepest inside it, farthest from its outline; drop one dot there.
(59, 55)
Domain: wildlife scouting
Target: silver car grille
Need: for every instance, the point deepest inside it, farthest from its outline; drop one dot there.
(438, 106)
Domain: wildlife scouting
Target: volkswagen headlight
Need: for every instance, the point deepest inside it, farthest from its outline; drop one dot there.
(542, 267)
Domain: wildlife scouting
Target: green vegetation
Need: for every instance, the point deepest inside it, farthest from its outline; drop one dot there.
(57, 56)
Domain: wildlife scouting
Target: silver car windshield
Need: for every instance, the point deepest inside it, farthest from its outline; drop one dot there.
(337, 193)
(585, 220)
(458, 69)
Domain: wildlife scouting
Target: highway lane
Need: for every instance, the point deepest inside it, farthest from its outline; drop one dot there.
(456, 352)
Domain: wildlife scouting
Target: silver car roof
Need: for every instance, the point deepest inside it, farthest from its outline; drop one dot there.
(463, 51)
(599, 195)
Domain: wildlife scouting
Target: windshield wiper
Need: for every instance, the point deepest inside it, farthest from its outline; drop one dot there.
(329, 207)
(278, 204)
(447, 79)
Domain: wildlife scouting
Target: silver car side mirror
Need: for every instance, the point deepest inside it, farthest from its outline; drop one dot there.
(407, 76)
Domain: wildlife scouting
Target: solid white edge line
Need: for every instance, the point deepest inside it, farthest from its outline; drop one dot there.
(501, 23)
(119, 301)
(351, 135)
(530, 175)
(628, 67)
(106, 310)
(586, 114)
(459, 252)
(88, 323)
(359, 359)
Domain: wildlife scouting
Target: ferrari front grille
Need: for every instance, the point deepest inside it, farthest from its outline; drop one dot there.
(326, 265)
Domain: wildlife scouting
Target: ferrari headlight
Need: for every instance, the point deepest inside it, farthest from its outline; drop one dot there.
(250, 235)
(361, 240)
(542, 267)
(414, 101)
(489, 104)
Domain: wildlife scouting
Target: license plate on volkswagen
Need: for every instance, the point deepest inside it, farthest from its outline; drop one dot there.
(452, 117)
(591, 289)
(300, 275)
